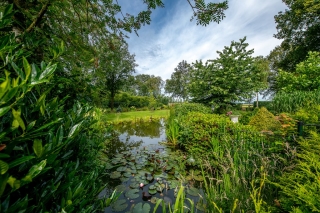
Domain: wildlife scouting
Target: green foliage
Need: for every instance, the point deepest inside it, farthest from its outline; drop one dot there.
(304, 78)
(234, 76)
(247, 115)
(184, 108)
(298, 28)
(300, 185)
(291, 102)
(177, 85)
(264, 120)
(48, 152)
(232, 155)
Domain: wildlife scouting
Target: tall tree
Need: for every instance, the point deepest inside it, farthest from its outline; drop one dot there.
(177, 85)
(115, 68)
(234, 76)
(304, 78)
(148, 84)
(299, 27)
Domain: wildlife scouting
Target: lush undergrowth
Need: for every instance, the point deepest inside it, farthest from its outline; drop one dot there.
(248, 168)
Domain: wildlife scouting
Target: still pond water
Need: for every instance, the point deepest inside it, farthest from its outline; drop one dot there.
(146, 170)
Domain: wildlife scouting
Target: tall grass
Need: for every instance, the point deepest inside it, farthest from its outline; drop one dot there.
(172, 128)
(180, 204)
(291, 102)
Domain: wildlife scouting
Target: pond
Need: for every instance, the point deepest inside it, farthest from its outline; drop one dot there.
(145, 170)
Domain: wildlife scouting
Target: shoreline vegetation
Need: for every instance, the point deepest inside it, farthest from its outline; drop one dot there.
(136, 116)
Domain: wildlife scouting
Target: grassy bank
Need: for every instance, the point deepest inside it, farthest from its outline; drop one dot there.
(128, 116)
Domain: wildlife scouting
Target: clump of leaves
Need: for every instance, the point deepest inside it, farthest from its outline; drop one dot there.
(265, 120)
(300, 186)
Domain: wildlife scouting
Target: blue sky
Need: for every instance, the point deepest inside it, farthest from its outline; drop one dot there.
(171, 37)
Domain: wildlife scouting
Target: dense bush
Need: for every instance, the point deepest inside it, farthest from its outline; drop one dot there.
(48, 153)
(184, 108)
(235, 154)
(265, 120)
(300, 184)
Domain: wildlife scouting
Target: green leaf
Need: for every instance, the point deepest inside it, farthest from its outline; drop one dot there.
(48, 71)
(9, 95)
(4, 86)
(3, 167)
(47, 125)
(31, 125)
(14, 183)
(74, 129)
(16, 115)
(59, 134)
(115, 175)
(37, 147)
(193, 191)
(132, 193)
(2, 155)
(34, 171)
(4, 110)
(27, 68)
(34, 74)
(19, 161)
(18, 71)
(140, 208)
(3, 183)
(119, 205)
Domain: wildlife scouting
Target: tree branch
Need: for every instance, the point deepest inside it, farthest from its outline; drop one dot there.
(39, 16)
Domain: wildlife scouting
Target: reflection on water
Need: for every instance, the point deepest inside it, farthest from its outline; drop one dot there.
(149, 132)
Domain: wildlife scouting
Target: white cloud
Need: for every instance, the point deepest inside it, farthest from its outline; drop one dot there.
(159, 48)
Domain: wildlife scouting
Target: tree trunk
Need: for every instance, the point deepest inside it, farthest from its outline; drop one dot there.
(112, 100)
(257, 99)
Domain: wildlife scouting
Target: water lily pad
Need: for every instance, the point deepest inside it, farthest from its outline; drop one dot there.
(141, 208)
(160, 188)
(154, 200)
(120, 188)
(201, 206)
(108, 166)
(127, 174)
(149, 178)
(116, 160)
(173, 184)
(132, 193)
(134, 185)
(115, 175)
(193, 191)
(124, 179)
(119, 155)
(152, 189)
(119, 205)
(121, 169)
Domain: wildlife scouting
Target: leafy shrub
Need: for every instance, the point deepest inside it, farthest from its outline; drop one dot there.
(198, 128)
(247, 115)
(48, 153)
(184, 108)
(265, 120)
(300, 185)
